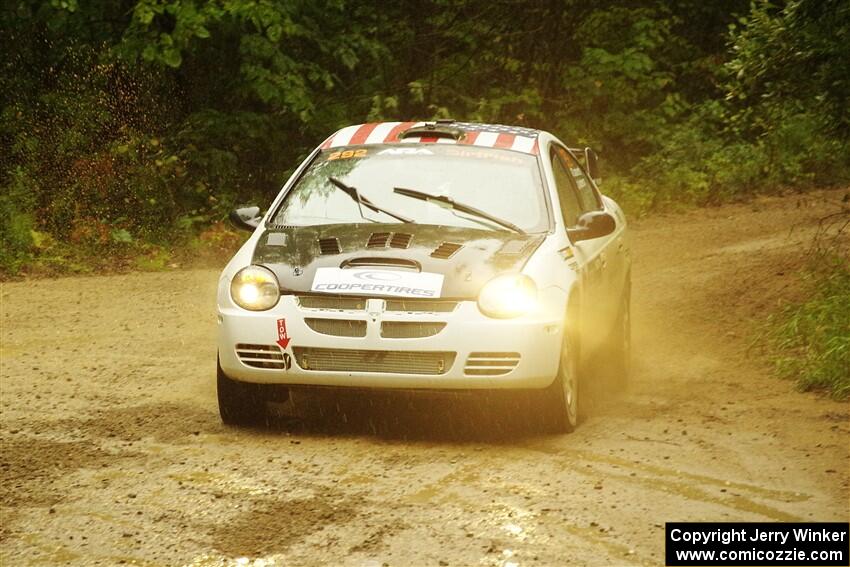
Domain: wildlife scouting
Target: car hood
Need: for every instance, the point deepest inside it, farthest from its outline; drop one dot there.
(467, 258)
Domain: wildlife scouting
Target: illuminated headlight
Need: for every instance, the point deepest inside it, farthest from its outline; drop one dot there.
(255, 288)
(508, 296)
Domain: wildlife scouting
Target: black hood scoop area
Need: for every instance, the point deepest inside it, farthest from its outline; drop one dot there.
(401, 240)
(378, 239)
(467, 258)
(329, 246)
(389, 239)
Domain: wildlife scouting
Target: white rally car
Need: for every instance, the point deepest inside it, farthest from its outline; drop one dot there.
(427, 255)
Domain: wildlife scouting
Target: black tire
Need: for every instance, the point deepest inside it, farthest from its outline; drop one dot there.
(239, 403)
(561, 398)
(619, 348)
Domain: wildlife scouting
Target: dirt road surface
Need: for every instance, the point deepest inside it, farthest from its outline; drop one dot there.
(113, 453)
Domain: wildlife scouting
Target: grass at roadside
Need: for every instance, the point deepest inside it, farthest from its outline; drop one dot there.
(810, 339)
(51, 257)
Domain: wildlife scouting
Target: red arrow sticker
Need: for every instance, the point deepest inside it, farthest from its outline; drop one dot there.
(282, 338)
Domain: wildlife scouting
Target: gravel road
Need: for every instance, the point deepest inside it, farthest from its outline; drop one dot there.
(113, 452)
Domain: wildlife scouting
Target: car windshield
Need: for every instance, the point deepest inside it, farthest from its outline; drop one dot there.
(501, 183)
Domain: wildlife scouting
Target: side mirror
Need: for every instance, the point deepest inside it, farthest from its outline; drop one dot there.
(591, 161)
(594, 224)
(246, 218)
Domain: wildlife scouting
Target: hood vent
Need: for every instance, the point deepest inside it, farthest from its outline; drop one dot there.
(439, 129)
(446, 250)
(391, 239)
(329, 246)
(400, 240)
(378, 240)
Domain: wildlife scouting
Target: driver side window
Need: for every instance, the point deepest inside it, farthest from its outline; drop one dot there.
(589, 200)
(565, 185)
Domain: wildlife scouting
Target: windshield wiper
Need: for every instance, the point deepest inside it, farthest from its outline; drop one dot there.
(468, 209)
(361, 201)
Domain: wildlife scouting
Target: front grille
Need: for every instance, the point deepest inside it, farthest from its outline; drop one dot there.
(335, 302)
(384, 361)
(260, 356)
(328, 246)
(350, 303)
(337, 327)
(490, 363)
(421, 305)
(409, 330)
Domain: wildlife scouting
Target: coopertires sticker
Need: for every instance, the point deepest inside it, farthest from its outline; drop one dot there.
(360, 281)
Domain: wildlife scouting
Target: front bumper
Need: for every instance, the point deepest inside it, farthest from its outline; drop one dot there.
(474, 351)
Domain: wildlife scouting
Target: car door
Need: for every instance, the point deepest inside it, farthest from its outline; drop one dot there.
(589, 254)
(615, 251)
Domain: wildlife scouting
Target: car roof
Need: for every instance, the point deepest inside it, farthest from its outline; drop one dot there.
(515, 138)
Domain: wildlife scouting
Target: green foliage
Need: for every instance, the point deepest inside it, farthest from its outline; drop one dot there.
(623, 86)
(794, 55)
(700, 162)
(16, 222)
(130, 126)
(283, 53)
(812, 338)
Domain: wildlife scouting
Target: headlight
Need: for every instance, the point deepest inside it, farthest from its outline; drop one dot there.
(255, 288)
(508, 296)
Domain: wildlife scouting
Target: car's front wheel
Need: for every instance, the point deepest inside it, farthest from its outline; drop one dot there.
(239, 403)
(561, 397)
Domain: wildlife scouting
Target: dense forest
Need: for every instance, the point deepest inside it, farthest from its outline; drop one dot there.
(130, 127)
